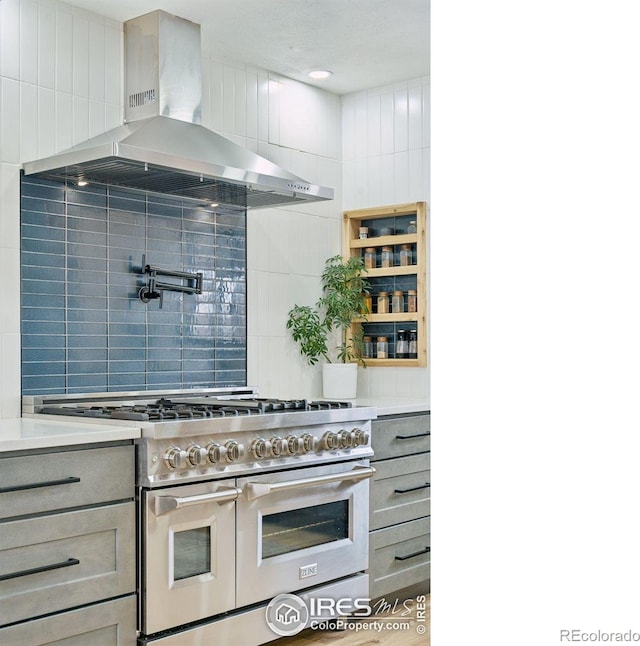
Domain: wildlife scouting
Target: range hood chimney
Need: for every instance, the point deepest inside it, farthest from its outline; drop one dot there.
(162, 146)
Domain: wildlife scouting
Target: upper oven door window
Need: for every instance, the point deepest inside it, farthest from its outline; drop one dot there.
(188, 553)
(301, 527)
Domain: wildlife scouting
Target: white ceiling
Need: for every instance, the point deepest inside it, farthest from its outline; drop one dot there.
(365, 43)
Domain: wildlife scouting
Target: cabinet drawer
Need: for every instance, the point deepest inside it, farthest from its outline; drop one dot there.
(57, 562)
(398, 491)
(396, 436)
(112, 623)
(399, 556)
(32, 484)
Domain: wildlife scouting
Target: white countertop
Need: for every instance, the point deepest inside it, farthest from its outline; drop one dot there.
(398, 406)
(21, 433)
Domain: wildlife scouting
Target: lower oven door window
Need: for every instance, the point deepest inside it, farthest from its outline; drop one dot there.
(300, 528)
(188, 554)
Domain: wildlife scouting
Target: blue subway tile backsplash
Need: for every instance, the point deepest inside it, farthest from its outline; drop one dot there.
(84, 329)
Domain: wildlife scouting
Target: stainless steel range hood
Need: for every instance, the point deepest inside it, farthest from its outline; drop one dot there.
(162, 146)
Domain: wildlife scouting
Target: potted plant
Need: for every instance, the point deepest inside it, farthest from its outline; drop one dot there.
(343, 299)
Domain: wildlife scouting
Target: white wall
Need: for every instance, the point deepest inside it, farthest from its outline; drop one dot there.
(386, 148)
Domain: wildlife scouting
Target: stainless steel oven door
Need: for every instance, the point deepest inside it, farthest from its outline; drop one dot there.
(301, 527)
(188, 563)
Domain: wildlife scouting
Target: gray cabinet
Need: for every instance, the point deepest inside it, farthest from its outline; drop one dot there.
(67, 547)
(400, 512)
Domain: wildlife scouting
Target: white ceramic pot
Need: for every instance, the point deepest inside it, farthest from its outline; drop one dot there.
(339, 380)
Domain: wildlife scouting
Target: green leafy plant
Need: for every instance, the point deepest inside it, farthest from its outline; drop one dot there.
(343, 299)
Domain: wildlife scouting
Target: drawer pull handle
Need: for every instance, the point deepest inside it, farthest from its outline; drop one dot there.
(37, 570)
(424, 486)
(36, 485)
(426, 550)
(413, 437)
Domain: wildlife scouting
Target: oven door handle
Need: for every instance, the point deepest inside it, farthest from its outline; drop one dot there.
(255, 490)
(165, 504)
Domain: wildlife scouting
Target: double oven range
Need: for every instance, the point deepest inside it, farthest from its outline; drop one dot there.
(240, 499)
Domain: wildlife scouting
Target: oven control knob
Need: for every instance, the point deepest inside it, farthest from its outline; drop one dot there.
(196, 454)
(347, 439)
(361, 437)
(310, 443)
(330, 441)
(215, 452)
(234, 450)
(260, 448)
(295, 444)
(279, 446)
(175, 458)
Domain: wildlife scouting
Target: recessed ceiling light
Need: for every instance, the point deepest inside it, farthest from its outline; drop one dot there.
(320, 74)
(214, 204)
(82, 182)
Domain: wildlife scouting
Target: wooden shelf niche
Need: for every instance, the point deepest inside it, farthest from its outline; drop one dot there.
(396, 217)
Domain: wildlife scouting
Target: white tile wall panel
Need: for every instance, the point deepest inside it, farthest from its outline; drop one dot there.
(96, 62)
(9, 206)
(400, 120)
(240, 102)
(415, 117)
(252, 103)
(216, 94)
(10, 119)
(278, 304)
(113, 116)
(28, 122)
(372, 143)
(80, 119)
(28, 41)
(9, 39)
(205, 100)
(387, 180)
(64, 51)
(9, 378)
(228, 99)
(348, 127)
(401, 176)
(80, 55)
(46, 122)
(64, 121)
(374, 182)
(426, 114)
(263, 105)
(417, 187)
(361, 125)
(387, 141)
(96, 118)
(274, 110)
(349, 184)
(46, 45)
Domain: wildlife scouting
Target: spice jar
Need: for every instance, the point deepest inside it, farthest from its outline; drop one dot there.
(367, 302)
(397, 302)
(412, 301)
(370, 258)
(382, 349)
(413, 344)
(364, 232)
(402, 347)
(383, 302)
(406, 255)
(412, 227)
(386, 257)
(367, 347)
